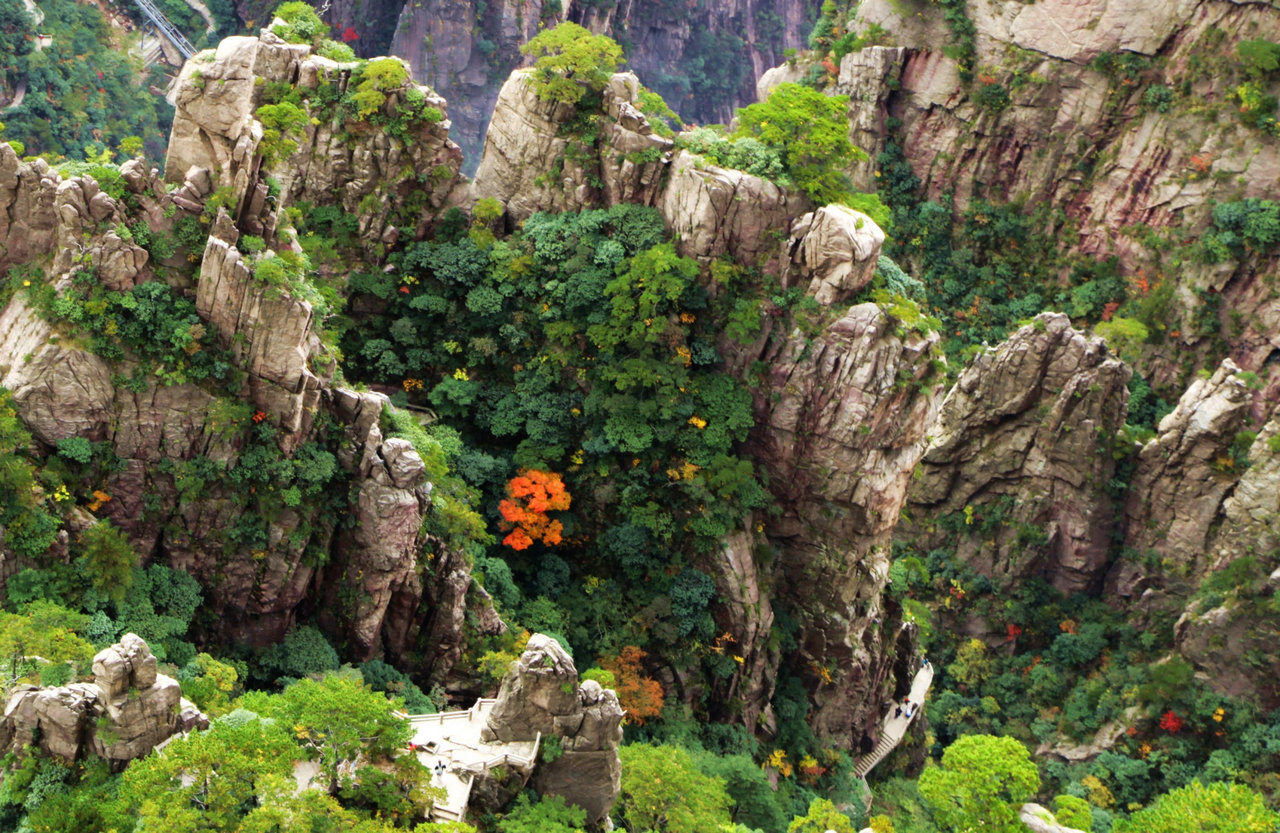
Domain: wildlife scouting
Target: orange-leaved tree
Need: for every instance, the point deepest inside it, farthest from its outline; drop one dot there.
(531, 494)
(641, 696)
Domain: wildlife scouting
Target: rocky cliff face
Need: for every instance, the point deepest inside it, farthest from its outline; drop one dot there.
(1182, 476)
(1121, 116)
(1020, 459)
(841, 414)
(841, 425)
(704, 59)
(164, 433)
(123, 714)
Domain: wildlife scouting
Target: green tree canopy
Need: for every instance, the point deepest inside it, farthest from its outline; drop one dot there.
(823, 817)
(812, 132)
(108, 559)
(1211, 808)
(42, 629)
(210, 780)
(549, 814)
(663, 792)
(982, 782)
(337, 720)
(571, 61)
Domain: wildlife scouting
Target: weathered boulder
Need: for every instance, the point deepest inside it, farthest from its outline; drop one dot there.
(123, 714)
(541, 694)
(836, 249)
(792, 72)
(1016, 473)
(540, 688)
(60, 390)
(1038, 819)
(715, 211)
(589, 773)
(213, 110)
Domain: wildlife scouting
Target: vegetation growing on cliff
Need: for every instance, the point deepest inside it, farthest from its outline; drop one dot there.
(564, 386)
(570, 62)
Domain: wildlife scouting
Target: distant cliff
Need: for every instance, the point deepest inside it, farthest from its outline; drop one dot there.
(703, 57)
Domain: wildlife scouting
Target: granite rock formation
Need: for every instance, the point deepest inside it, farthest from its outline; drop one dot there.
(541, 695)
(1020, 459)
(126, 711)
(840, 425)
(528, 164)
(1083, 132)
(62, 389)
(465, 48)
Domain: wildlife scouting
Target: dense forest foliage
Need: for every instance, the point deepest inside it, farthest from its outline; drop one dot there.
(565, 386)
(84, 92)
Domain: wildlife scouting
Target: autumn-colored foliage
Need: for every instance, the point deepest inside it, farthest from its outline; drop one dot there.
(641, 696)
(531, 494)
(1170, 722)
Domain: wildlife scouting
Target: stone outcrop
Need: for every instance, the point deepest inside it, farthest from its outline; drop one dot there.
(541, 695)
(126, 711)
(715, 211)
(1184, 474)
(465, 49)
(28, 220)
(533, 162)
(1181, 479)
(1017, 471)
(175, 441)
(379, 551)
(840, 424)
(215, 130)
(1230, 631)
(269, 332)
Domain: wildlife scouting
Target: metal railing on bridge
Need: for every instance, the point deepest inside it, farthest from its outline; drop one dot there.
(166, 29)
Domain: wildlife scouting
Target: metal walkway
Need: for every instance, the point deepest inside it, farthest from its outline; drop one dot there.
(166, 29)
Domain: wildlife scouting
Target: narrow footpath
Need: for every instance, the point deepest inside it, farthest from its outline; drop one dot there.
(897, 721)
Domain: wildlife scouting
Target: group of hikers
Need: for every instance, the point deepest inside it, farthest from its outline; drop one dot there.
(906, 706)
